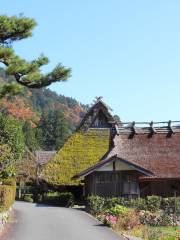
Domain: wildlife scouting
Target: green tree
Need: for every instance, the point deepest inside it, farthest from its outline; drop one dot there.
(6, 162)
(61, 130)
(26, 73)
(45, 130)
(11, 134)
(53, 130)
(30, 137)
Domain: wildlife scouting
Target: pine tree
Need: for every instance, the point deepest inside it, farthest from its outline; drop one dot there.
(26, 73)
(53, 130)
(30, 137)
(61, 130)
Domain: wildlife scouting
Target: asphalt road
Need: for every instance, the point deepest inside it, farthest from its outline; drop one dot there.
(39, 222)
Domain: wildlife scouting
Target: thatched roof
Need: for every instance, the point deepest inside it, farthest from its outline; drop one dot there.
(82, 150)
(157, 153)
(43, 157)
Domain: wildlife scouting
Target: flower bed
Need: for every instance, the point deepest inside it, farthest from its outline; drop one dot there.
(140, 217)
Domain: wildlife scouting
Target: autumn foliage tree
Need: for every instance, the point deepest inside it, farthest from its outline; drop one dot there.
(20, 109)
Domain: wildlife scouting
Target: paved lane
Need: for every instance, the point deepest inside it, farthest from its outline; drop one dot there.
(38, 222)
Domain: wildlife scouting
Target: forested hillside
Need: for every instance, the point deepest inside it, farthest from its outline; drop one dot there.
(47, 118)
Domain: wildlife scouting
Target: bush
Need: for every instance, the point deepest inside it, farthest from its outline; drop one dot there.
(153, 203)
(39, 198)
(129, 220)
(154, 210)
(159, 218)
(28, 198)
(111, 202)
(149, 218)
(95, 204)
(64, 199)
(7, 196)
(167, 219)
(110, 220)
(168, 204)
(118, 210)
(139, 204)
(9, 182)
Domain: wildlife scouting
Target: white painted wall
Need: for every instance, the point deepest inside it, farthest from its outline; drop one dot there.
(121, 166)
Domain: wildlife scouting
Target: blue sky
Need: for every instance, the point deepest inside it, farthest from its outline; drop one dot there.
(126, 51)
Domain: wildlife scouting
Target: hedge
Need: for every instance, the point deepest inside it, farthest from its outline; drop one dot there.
(97, 204)
(28, 198)
(7, 197)
(81, 151)
(64, 199)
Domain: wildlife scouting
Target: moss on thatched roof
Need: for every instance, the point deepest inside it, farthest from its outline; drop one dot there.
(81, 151)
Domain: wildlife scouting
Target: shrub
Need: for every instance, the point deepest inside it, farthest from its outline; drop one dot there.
(153, 203)
(167, 219)
(150, 218)
(159, 218)
(139, 203)
(154, 210)
(168, 204)
(111, 202)
(39, 198)
(95, 204)
(7, 196)
(110, 220)
(118, 210)
(51, 198)
(64, 199)
(129, 220)
(9, 182)
(28, 198)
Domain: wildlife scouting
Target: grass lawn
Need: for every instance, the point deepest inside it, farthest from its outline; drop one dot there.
(154, 233)
(170, 231)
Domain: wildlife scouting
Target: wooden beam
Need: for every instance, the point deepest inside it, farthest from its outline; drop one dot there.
(152, 129)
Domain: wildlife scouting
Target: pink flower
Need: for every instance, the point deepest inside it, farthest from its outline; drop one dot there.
(112, 219)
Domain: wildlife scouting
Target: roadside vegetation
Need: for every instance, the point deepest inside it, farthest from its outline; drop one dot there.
(150, 218)
(61, 199)
(18, 118)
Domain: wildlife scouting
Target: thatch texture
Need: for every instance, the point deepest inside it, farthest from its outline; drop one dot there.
(43, 157)
(82, 150)
(159, 153)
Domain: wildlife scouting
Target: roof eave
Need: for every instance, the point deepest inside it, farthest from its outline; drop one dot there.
(101, 163)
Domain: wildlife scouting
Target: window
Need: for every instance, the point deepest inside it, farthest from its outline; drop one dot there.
(130, 185)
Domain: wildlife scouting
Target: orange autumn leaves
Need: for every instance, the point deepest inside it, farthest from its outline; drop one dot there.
(20, 109)
(73, 114)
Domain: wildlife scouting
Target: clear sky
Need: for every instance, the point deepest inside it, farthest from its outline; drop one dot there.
(126, 51)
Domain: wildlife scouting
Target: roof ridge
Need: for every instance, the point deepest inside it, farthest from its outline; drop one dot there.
(149, 127)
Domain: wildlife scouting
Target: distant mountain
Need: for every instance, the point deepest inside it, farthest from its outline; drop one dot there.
(44, 99)
(48, 118)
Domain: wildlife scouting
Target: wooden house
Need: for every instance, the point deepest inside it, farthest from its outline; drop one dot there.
(142, 159)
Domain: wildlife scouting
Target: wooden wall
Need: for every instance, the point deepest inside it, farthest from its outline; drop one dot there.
(114, 183)
(125, 184)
